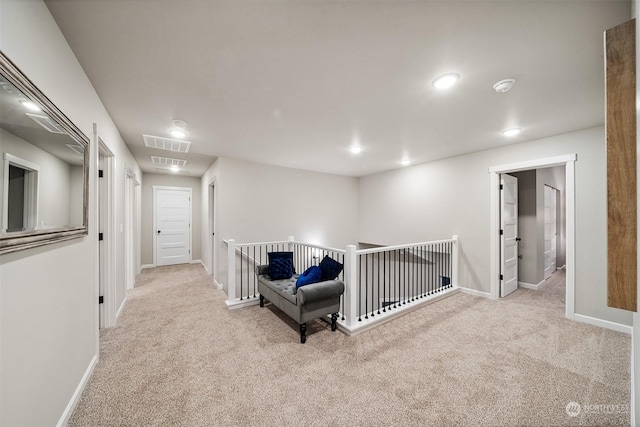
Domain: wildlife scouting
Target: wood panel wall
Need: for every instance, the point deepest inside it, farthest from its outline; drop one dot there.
(620, 58)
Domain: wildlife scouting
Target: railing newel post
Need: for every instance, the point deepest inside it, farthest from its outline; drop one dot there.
(231, 272)
(454, 260)
(350, 280)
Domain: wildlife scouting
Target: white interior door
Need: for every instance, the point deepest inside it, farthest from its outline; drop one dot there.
(172, 225)
(508, 234)
(550, 232)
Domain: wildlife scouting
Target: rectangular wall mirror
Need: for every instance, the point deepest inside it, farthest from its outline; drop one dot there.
(44, 167)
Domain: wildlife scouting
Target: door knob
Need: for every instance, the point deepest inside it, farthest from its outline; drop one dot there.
(158, 231)
(517, 238)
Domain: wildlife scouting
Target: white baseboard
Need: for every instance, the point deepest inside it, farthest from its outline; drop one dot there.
(219, 285)
(194, 261)
(66, 415)
(563, 267)
(475, 293)
(124, 302)
(372, 322)
(247, 302)
(530, 286)
(603, 323)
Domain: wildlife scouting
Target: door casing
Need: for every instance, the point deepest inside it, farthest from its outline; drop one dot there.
(567, 160)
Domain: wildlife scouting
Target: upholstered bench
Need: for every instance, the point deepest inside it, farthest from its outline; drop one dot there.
(304, 303)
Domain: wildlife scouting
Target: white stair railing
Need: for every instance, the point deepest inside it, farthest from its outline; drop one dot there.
(409, 276)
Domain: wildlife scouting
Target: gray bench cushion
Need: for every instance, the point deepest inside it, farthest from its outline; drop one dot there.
(285, 287)
(309, 293)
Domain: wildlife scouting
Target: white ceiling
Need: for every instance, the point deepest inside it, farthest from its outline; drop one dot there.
(293, 82)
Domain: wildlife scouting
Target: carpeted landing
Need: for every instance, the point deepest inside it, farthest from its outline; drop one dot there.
(178, 357)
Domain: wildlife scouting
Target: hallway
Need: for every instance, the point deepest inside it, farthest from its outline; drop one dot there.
(179, 357)
(551, 294)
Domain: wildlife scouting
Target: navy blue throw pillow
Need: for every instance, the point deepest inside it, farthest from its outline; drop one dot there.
(330, 268)
(311, 275)
(280, 265)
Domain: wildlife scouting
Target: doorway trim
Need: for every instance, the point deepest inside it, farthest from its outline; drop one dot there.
(567, 160)
(131, 239)
(212, 229)
(554, 195)
(106, 226)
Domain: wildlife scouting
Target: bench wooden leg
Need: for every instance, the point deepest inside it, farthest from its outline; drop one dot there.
(261, 300)
(334, 317)
(303, 333)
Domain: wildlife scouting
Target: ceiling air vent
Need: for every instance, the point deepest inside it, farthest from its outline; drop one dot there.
(47, 123)
(166, 144)
(166, 161)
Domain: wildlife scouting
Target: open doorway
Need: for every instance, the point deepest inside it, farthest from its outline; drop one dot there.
(568, 163)
(541, 236)
(20, 194)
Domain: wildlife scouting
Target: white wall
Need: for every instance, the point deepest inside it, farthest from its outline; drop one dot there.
(48, 309)
(151, 179)
(257, 202)
(435, 200)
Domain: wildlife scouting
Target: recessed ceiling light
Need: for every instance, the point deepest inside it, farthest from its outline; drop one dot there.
(405, 162)
(511, 132)
(30, 105)
(445, 81)
(504, 85)
(179, 129)
(356, 149)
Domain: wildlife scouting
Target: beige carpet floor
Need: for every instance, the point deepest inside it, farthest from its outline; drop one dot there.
(178, 357)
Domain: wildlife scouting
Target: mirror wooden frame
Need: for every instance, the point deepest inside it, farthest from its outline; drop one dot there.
(20, 240)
